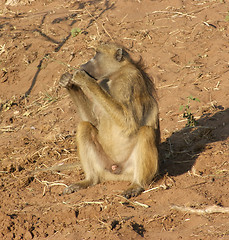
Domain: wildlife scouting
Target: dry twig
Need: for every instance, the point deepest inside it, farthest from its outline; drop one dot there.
(207, 210)
(100, 24)
(163, 186)
(135, 202)
(49, 184)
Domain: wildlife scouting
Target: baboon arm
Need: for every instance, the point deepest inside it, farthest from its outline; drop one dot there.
(118, 112)
(84, 105)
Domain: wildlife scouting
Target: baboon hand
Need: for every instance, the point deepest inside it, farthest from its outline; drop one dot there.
(80, 77)
(65, 80)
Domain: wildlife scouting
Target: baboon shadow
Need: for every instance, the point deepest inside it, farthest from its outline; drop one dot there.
(180, 151)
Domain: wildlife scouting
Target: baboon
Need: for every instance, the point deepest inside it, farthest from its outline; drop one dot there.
(118, 135)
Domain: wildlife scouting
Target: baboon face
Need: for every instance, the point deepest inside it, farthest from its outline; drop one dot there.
(107, 60)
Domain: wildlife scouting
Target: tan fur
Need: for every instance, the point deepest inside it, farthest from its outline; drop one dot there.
(119, 133)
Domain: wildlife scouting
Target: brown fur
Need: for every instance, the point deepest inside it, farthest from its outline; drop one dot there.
(119, 133)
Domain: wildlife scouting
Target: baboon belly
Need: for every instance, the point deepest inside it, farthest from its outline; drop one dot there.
(116, 143)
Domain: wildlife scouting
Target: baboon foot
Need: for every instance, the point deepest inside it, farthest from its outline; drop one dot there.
(77, 186)
(132, 191)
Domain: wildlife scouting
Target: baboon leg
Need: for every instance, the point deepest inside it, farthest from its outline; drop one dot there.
(92, 156)
(145, 160)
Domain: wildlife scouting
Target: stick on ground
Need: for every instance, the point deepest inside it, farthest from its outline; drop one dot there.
(207, 210)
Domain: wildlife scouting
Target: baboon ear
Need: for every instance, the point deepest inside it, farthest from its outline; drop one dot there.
(119, 54)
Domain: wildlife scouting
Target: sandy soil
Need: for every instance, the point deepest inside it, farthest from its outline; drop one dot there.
(184, 45)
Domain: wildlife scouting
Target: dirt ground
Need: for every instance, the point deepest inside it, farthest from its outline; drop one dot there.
(184, 45)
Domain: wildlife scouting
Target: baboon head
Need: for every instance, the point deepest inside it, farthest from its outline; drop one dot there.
(108, 59)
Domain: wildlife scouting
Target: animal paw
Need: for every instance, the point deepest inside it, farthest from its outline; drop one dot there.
(65, 80)
(77, 186)
(133, 191)
(71, 189)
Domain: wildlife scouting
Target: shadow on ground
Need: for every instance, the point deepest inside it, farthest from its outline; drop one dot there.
(180, 151)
